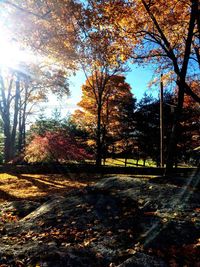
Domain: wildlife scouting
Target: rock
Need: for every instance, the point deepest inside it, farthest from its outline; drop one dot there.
(143, 260)
(21, 208)
(96, 226)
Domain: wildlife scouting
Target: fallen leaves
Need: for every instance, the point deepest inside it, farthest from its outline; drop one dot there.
(7, 217)
(103, 219)
(30, 186)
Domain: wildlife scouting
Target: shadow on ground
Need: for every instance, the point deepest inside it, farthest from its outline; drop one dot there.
(120, 221)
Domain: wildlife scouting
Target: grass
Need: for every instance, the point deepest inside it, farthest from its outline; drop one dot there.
(35, 186)
(120, 162)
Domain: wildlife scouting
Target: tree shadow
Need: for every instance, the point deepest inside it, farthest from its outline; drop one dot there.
(46, 187)
(191, 181)
(4, 196)
(38, 183)
(41, 182)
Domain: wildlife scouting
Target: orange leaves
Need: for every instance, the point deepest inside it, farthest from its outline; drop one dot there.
(44, 27)
(132, 22)
(188, 101)
(87, 242)
(115, 100)
(8, 217)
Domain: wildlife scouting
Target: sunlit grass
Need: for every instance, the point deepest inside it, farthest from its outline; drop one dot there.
(120, 162)
(33, 186)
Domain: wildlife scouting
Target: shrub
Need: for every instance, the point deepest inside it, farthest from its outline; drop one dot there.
(54, 147)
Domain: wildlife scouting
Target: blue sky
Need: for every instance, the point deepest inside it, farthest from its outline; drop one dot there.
(138, 78)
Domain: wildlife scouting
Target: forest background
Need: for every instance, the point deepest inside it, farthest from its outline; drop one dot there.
(103, 39)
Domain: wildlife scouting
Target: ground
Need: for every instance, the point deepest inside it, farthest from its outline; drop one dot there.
(93, 220)
(33, 186)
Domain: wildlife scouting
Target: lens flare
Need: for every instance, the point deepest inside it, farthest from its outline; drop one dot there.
(11, 54)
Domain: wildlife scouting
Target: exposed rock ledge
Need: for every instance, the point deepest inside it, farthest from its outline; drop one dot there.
(121, 221)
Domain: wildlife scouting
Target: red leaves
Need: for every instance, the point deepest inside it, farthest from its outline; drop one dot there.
(54, 146)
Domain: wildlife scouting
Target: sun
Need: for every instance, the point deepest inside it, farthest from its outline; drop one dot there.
(11, 53)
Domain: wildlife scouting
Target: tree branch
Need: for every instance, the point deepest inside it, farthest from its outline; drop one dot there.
(27, 11)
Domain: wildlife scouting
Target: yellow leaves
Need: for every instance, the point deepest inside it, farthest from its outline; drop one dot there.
(131, 251)
(133, 21)
(198, 243)
(91, 143)
(109, 233)
(45, 27)
(87, 242)
(167, 78)
(153, 82)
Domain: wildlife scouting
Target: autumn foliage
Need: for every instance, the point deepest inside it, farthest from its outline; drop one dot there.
(54, 147)
(115, 117)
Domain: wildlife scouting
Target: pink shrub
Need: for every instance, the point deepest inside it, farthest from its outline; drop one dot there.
(54, 146)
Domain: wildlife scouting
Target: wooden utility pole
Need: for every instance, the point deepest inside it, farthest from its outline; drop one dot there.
(161, 122)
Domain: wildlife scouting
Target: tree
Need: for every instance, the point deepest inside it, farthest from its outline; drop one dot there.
(148, 127)
(100, 61)
(62, 29)
(54, 146)
(165, 33)
(189, 125)
(117, 105)
(107, 33)
(148, 132)
(34, 25)
(45, 27)
(20, 93)
(56, 30)
(10, 94)
(99, 85)
(44, 124)
(56, 123)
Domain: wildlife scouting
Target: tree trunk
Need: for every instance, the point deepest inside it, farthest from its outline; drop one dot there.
(15, 119)
(22, 122)
(172, 146)
(7, 134)
(22, 134)
(144, 161)
(125, 163)
(7, 144)
(98, 140)
(20, 129)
